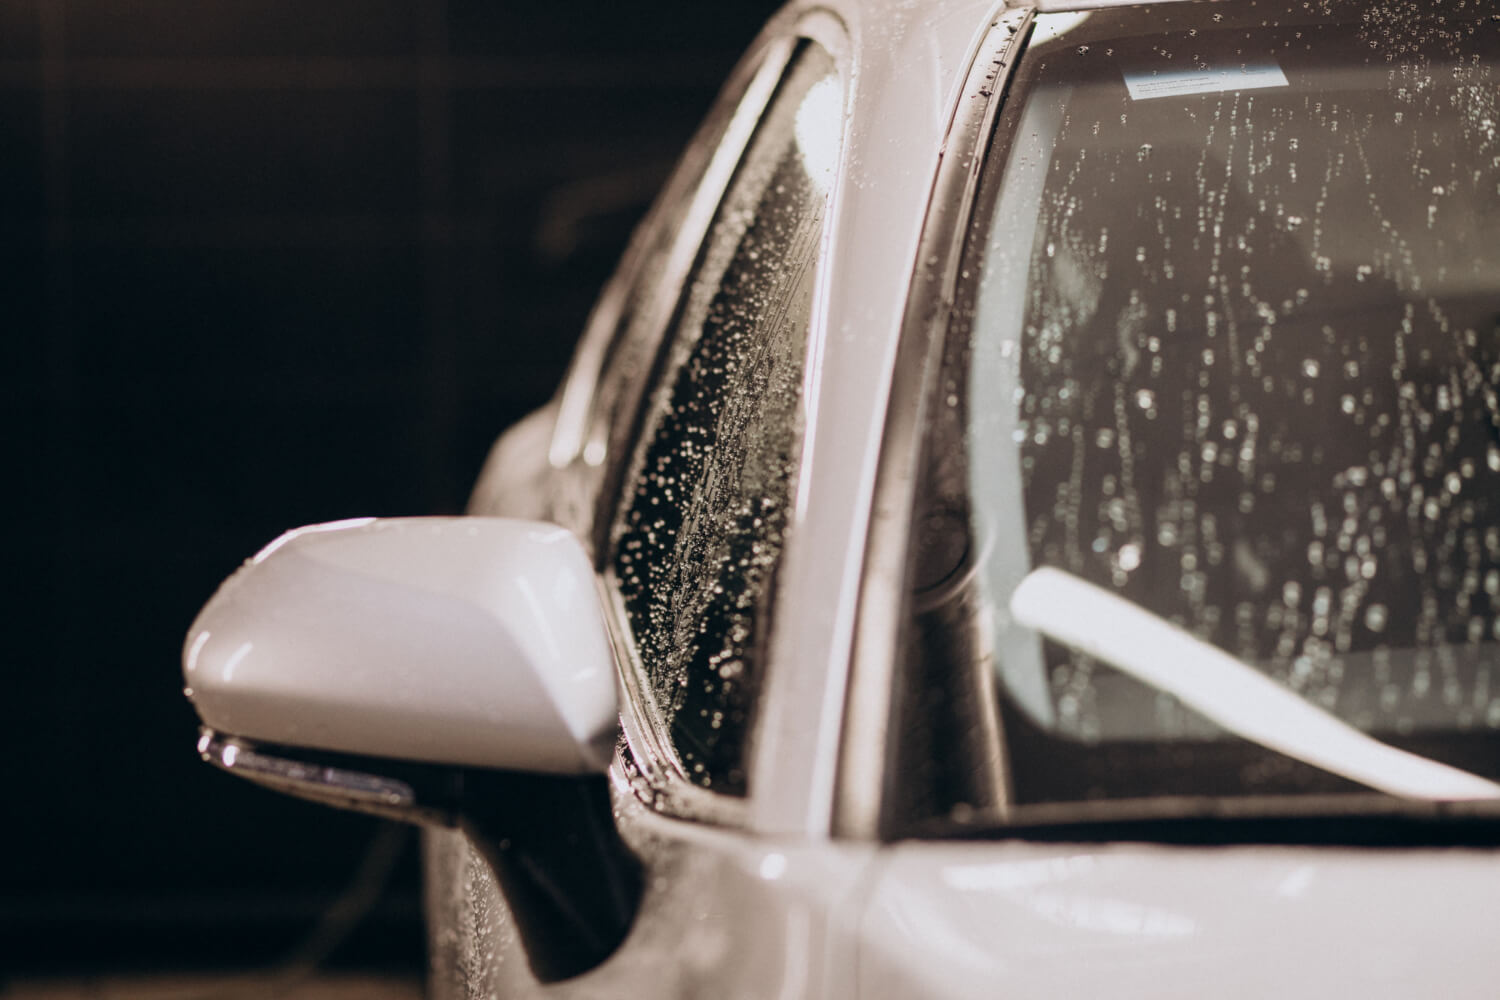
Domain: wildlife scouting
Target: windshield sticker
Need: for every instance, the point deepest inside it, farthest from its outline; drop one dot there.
(1256, 75)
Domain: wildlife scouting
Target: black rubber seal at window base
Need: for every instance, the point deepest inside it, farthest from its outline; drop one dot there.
(1388, 824)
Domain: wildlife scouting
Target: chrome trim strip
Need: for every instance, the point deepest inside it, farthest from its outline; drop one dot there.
(863, 751)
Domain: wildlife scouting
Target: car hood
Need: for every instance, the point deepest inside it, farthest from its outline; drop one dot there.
(1123, 920)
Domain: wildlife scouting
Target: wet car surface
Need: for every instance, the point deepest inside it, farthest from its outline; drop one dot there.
(1038, 468)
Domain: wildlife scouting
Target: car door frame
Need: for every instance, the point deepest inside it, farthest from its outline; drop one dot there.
(859, 807)
(591, 463)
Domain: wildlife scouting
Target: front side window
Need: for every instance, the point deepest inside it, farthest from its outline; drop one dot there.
(1228, 348)
(708, 500)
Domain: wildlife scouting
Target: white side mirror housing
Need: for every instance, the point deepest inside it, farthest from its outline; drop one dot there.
(465, 641)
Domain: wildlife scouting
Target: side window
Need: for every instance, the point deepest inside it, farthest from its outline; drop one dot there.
(708, 496)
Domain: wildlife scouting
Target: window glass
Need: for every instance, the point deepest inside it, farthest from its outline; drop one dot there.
(1228, 349)
(709, 497)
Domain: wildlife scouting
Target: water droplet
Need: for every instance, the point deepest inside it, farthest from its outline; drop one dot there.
(1375, 617)
(1310, 367)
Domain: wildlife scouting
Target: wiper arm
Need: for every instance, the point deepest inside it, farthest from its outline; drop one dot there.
(1232, 694)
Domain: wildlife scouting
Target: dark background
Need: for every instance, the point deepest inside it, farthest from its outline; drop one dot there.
(270, 262)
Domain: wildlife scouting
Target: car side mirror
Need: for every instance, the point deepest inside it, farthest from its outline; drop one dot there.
(449, 671)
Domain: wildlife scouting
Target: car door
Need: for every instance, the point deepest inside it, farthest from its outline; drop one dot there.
(675, 450)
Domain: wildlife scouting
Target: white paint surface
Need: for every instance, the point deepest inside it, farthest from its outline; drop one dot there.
(474, 641)
(1031, 921)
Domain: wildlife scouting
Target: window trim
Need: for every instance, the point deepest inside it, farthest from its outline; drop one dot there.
(864, 750)
(647, 762)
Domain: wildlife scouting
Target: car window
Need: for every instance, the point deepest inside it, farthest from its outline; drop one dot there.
(1228, 347)
(707, 501)
(601, 407)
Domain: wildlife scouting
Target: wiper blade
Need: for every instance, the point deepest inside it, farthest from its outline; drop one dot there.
(1226, 691)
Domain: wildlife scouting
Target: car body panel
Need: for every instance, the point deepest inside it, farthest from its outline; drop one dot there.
(724, 915)
(1162, 922)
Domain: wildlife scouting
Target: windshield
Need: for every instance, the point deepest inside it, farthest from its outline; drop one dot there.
(1228, 345)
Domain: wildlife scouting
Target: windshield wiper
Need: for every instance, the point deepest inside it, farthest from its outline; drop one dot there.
(1230, 693)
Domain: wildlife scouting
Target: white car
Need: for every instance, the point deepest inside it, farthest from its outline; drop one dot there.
(1023, 521)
